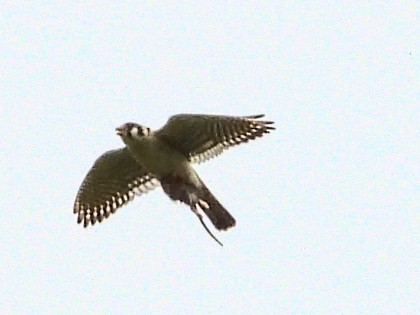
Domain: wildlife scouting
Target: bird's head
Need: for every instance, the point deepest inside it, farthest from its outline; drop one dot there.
(132, 131)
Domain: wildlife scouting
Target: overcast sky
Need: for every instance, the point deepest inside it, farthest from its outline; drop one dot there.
(327, 206)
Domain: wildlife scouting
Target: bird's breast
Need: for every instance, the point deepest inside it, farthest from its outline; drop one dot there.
(161, 160)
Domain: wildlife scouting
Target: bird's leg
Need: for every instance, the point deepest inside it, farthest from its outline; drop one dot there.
(193, 207)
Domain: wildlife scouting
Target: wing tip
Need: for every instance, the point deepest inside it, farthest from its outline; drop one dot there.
(264, 122)
(254, 116)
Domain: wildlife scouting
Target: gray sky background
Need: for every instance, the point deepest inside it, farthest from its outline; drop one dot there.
(326, 206)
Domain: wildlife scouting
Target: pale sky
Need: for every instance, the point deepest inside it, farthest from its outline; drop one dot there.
(326, 205)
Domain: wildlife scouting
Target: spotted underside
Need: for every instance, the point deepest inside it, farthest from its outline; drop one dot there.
(202, 137)
(114, 179)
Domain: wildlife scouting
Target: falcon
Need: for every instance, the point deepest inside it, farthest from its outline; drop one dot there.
(164, 157)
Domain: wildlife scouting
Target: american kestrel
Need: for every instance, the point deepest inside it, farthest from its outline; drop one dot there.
(164, 157)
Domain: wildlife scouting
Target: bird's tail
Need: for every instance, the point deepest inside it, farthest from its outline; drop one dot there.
(214, 210)
(177, 189)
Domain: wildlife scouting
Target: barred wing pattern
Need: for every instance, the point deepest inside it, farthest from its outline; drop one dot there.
(114, 179)
(202, 137)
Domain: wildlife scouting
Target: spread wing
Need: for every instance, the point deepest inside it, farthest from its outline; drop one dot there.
(202, 137)
(114, 179)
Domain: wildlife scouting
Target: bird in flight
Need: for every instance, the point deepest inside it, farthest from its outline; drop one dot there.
(164, 157)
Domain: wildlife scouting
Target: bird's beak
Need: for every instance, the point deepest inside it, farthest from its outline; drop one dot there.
(121, 131)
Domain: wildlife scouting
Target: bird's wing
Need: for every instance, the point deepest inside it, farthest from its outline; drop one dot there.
(114, 179)
(202, 137)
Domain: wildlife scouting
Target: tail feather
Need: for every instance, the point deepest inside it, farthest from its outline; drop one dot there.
(177, 189)
(217, 214)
